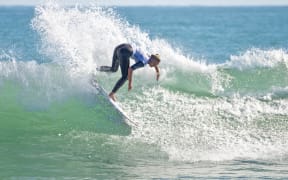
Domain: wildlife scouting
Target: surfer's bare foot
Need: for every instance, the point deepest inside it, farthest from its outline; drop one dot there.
(112, 96)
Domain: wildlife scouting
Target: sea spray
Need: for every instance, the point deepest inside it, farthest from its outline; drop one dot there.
(85, 38)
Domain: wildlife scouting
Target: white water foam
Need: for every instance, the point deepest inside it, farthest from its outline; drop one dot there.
(198, 129)
(254, 58)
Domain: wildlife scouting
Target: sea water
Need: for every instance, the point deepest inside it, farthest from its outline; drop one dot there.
(219, 110)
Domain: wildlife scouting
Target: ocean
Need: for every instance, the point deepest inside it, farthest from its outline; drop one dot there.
(218, 111)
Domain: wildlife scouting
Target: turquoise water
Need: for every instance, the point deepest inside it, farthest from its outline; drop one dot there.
(219, 110)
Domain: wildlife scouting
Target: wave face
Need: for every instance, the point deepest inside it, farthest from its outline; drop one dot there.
(196, 112)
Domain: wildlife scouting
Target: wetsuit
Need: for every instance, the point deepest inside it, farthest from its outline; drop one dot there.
(121, 56)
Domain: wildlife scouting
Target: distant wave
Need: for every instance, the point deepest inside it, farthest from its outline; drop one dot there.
(257, 58)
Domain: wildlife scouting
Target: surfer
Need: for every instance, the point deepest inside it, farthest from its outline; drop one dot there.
(121, 56)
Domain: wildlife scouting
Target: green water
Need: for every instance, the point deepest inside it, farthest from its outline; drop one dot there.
(46, 142)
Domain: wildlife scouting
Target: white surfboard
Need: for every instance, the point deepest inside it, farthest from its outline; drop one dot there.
(117, 107)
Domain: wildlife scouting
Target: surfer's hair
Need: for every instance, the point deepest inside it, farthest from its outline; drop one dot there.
(156, 56)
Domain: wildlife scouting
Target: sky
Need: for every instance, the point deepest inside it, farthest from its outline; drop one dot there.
(156, 2)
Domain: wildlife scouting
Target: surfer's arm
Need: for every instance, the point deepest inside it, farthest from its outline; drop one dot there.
(130, 72)
(157, 73)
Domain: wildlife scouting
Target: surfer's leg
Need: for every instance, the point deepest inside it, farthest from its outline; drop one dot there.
(124, 70)
(115, 60)
(124, 56)
(115, 63)
(120, 50)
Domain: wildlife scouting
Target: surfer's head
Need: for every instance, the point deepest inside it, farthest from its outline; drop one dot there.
(154, 60)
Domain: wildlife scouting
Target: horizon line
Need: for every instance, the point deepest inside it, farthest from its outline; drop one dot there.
(169, 5)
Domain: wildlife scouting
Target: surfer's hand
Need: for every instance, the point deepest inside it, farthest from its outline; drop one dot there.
(129, 87)
(157, 76)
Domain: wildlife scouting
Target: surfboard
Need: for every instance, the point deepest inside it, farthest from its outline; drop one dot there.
(116, 106)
